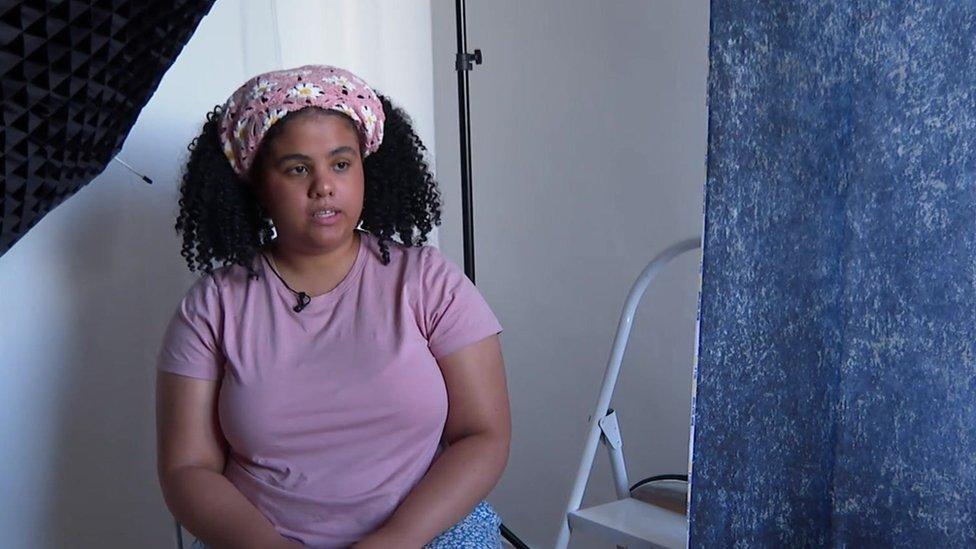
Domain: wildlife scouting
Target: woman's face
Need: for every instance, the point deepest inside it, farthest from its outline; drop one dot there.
(313, 164)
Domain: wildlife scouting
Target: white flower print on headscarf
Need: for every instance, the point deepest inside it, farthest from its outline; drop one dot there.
(273, 116)
(263, 87)
(240, 131)
(297, 72)
(369, 119)
(340, 80)
(347, 109)
(305, 90)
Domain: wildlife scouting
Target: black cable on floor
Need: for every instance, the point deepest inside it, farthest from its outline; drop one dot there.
(657, 478)
(512, 538)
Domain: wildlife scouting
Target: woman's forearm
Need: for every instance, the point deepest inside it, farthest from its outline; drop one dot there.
(460, 477)
(214, 510)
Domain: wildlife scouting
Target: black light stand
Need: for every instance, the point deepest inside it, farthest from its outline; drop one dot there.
(463, 63)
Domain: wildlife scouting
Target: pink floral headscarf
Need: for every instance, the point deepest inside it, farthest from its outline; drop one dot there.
(266, 98)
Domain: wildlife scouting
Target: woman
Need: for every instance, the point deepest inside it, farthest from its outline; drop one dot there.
(327, 386)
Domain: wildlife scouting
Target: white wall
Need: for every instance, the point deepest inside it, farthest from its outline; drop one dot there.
(86, 293)
(588, 144)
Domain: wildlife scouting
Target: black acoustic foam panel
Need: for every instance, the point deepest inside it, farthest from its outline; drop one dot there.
(73, 77)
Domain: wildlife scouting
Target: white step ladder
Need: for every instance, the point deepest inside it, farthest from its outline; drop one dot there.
(648, 520)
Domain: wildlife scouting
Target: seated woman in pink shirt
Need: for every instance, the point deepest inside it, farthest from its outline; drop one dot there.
(326, 386)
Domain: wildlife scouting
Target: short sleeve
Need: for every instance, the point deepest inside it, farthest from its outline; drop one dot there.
(190, 345)
(455, 314)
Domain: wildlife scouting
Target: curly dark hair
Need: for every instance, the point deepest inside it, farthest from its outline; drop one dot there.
(222, 220)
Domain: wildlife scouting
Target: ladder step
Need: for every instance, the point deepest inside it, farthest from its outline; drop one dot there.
(633, 523)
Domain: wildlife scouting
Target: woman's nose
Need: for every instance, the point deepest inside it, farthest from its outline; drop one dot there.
(321, 185)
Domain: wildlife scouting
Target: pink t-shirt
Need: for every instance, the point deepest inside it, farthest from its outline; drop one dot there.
(333, 414)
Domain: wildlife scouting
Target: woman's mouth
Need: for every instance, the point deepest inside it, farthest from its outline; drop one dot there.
(326, 217)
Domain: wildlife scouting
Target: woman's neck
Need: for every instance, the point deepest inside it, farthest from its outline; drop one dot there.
(314, 273)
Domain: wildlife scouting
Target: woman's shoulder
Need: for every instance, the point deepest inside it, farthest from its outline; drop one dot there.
(407, 257)
(224, 277)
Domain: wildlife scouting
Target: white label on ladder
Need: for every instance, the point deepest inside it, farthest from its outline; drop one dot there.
(611, 431)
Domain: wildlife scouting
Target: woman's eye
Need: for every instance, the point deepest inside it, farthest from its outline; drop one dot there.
(298, 169)
(342, 164)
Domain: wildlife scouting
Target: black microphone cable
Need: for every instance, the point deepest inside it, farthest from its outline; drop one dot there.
(303, 298)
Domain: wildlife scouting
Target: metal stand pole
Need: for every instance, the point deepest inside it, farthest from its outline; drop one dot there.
(465, 62)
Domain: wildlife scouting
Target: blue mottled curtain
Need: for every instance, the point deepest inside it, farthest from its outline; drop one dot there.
(835, 399)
